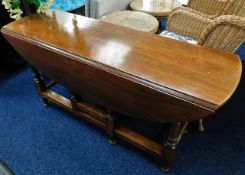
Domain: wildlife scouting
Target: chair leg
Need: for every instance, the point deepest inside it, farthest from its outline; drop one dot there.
(200, 125)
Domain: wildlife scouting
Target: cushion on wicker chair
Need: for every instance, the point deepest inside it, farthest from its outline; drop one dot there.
(178, 37)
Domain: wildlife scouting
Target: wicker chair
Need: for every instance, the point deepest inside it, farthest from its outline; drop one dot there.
(214, 8)
(208, 7)
(225, 33)
(235, 7)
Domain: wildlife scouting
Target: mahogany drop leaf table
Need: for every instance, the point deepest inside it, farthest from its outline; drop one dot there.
(125, 71)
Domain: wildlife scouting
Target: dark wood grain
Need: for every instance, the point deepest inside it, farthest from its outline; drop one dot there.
(135, 73)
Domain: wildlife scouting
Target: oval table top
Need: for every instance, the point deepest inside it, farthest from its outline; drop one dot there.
(157, 8)
(135, 20)
(198, 75)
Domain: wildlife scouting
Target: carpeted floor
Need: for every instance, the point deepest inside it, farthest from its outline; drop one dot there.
(49, 141)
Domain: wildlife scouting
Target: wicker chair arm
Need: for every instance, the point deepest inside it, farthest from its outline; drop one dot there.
(209, 7)
(225, 33)
(184, 22)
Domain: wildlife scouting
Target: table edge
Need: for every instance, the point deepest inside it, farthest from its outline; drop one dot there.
(149, 84)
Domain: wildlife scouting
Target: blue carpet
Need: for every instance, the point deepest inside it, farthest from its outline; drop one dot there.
(50, 141)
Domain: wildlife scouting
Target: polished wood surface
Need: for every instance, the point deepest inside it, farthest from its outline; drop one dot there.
(157, 8)
(153, 78)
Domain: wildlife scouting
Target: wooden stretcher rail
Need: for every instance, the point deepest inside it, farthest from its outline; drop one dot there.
(97, 117)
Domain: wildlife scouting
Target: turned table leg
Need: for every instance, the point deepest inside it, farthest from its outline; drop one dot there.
(40, 85)
(200, 125)
(111, 127)
(174, 135)
(74, 101)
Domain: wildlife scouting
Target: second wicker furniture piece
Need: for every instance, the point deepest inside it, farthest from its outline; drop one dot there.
(135, 20)
(157, 8)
